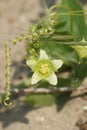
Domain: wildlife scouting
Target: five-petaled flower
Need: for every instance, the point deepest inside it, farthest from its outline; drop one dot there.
(44, 68)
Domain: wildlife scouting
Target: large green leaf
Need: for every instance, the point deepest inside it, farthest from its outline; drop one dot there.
(64, 52)
(78, 21)
(39, 100)
(78, 75)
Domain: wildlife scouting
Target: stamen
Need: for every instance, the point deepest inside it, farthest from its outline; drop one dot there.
(44, 68)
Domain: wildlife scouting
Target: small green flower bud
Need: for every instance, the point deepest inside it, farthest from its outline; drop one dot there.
(20, 38)
(14, 41)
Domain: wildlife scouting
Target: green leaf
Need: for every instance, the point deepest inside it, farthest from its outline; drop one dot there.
(39, 100)
(79, 75)
(75, 83)
(62, 82)
(64, 52)
(78, 21)
(81, 71)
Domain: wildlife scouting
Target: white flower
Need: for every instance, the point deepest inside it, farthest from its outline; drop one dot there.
(44, 68)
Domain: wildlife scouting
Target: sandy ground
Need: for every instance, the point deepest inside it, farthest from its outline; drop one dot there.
(16, 16)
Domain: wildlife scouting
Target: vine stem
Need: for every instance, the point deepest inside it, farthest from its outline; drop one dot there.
(45, 90)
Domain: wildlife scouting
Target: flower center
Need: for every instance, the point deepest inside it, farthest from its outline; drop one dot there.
(44, 68)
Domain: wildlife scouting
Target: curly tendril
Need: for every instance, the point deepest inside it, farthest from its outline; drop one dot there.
(7, 100)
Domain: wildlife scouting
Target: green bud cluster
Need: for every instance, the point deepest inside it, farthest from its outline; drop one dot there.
(35, 43)
(53, 19)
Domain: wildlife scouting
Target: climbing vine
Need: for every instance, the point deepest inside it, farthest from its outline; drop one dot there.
(59, 40)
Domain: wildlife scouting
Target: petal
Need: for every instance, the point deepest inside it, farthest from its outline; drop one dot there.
(52, 79)
(43, 55)
(31, 63)
(57, 64)
(35, 78)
